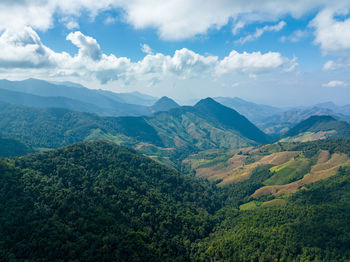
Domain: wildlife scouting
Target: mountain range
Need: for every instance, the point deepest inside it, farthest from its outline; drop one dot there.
(164, 134)
(195, 183)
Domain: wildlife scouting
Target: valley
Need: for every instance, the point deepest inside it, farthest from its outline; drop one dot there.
(180, 183)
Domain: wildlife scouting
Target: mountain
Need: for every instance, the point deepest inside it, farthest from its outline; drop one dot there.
(100, 202)
(345, 110)
(25, 99)
(169, 136)
(316, 127)
(280, 123)
(229, 118)
(254, 112)
(55, 127)
(107, 103)
(164, 104)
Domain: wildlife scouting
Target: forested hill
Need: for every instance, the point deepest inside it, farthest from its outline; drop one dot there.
(100, 202)
(229, 118)
(324, 123)
(96, 201)
(207, 125)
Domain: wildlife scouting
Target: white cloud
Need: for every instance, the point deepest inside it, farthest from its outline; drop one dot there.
(335, 83)
(295, 37)
(173, 19)
(88, 46)
(252, 63)
(260, 31)
(237, 27)
(110, 20)
(23, 50)
(330, 33)
(146, 49)
(335, 65)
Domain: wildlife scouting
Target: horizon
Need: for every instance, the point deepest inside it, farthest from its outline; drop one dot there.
(187, 102)
(283, 54)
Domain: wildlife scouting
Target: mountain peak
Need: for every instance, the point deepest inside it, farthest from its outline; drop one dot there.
(207, 101)
(164, 104)
(229, 118)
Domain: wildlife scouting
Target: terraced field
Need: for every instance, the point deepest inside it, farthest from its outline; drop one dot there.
(327, 165)
(235, 169)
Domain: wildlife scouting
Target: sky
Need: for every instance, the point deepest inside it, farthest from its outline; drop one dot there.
(282, 53)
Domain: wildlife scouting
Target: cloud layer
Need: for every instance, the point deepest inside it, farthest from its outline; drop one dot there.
(24, 50)
(180, 19)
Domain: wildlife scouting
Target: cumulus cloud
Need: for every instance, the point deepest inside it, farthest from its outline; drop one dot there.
(192, 17)
(332, 34)
(260, 31)
(335, 83)
(88, 46)
(253, 63)
(24, 50)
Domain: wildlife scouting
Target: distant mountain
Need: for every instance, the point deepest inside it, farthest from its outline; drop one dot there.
(164, 104)
(169, 135)
(280, 123)
(345, 110)
(107, 103)
(318, 127)
(19, 98)
(254, 112)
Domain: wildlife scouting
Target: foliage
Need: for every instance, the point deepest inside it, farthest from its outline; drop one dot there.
(12, 147)
(100, 202)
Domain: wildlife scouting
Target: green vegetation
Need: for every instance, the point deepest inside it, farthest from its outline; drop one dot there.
(100, 202)
(11, 147)
(96, 201)
(290, 171)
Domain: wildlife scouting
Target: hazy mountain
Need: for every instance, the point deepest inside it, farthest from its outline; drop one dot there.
(254, 112)
(108, 103)
(280, 123)
(164, 104)
(345, 110)
(19, 98)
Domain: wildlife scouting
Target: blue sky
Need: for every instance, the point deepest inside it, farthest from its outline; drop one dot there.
(280, 53)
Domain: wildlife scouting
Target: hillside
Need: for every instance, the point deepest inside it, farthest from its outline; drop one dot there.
(12, 147)
(55, 127)
(100, 202)
(318, 127)
(97, 201)
(229, 118)
(172, 134)
(254, 112)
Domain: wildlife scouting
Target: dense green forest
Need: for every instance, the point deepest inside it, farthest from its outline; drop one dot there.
(11, 147)
(96, 201)
(100, 202)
